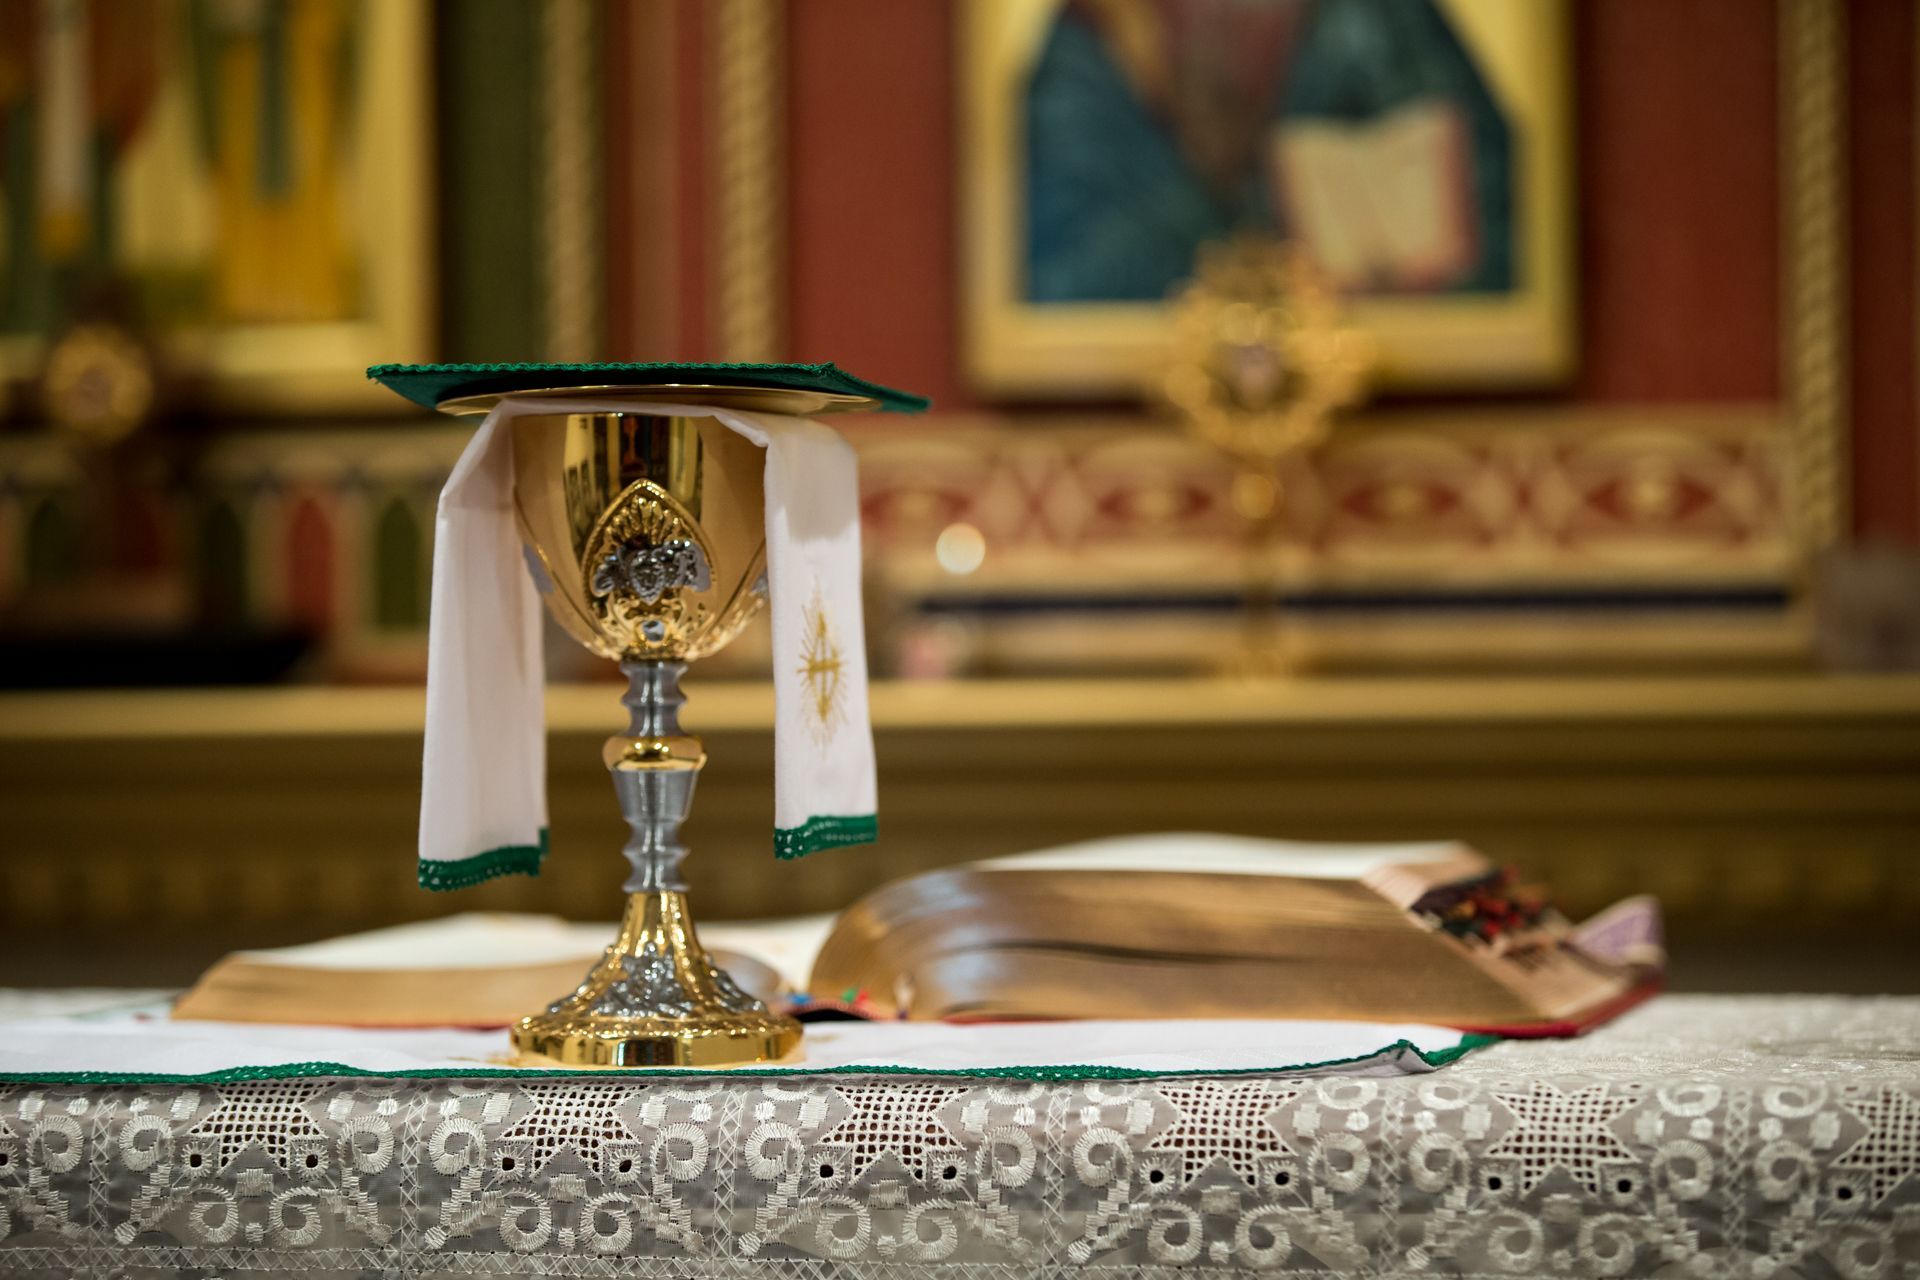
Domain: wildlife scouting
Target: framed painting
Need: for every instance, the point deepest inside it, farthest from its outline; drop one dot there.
(248, 184)
(1419, 150)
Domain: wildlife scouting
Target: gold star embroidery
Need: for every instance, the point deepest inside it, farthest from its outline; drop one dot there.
(821, 666)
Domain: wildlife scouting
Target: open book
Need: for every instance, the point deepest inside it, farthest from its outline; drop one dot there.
(482, 969)
(1159, 926)
(1383, 202)
(1224, 927)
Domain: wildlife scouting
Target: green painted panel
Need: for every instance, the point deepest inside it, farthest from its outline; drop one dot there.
(488, 74)
(52, 544)
(223, 563)
(398, 570)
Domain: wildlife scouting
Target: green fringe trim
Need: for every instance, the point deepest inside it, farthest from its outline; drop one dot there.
(828, 831)
(1049, 1075)
(462, 873)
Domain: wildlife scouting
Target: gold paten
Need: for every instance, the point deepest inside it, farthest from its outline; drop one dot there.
(799, 401)
(596, 495)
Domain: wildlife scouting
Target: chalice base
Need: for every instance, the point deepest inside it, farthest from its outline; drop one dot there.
(655, 999)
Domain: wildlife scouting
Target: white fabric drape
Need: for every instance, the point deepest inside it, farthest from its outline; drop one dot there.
(483, 792)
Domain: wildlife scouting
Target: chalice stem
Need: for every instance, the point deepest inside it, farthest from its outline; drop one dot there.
(654, 800)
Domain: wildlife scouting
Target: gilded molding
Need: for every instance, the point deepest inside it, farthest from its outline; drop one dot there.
(1814, 204)
(569, 182)
(1786, 798)
(750, 266)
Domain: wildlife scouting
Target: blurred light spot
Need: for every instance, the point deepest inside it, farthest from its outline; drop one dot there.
(1254, 495)
(960, 548)
(1402, 501)
(1155, 505)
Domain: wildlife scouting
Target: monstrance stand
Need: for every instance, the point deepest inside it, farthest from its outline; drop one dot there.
(1259, 364)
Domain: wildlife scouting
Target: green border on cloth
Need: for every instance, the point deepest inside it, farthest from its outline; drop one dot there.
(825, 831)
(428, 384)
(461, 873)
(318, 1070)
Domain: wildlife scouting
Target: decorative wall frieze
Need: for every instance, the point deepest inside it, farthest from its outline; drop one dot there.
(1552, 499)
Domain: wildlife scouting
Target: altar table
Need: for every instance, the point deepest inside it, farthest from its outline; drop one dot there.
(1697, 1136)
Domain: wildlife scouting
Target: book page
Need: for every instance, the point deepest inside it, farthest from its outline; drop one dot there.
(1387, 200)
(509, 940)
(472, 940)
(1227, 855)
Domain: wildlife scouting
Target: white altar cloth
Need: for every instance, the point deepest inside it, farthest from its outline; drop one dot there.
(144, 1046)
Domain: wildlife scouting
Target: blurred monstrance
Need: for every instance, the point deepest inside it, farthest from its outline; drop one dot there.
(1260, 362)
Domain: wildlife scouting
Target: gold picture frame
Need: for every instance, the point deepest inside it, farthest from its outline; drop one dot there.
(376, 214)
(1523, 336)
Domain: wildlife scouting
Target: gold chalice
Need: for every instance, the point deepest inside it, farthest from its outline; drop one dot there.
(646, 533)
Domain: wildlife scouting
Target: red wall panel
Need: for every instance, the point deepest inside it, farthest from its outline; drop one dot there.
(1679, 195)
(872, 191)
(1882, 147)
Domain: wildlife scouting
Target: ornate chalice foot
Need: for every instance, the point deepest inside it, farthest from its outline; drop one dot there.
(656, 999)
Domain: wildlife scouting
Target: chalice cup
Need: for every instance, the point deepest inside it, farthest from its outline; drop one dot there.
(646, 535)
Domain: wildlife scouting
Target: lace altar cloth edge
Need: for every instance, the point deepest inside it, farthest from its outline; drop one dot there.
(1696, 1136)
(145, 1047)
